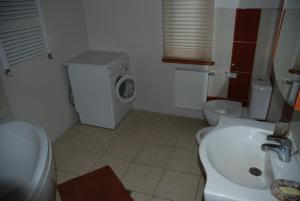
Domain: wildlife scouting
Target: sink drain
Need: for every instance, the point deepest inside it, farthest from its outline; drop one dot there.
(255, 171)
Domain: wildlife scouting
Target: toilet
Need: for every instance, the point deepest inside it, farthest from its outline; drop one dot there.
(261, 91)
(212, 110)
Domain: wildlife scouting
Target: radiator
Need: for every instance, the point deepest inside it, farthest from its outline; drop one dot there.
(190, 88)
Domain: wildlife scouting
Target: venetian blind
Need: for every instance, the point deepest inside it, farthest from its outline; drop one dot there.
(22, 34)
(188, 29)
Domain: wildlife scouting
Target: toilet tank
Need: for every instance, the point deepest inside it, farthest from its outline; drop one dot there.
(261, 91)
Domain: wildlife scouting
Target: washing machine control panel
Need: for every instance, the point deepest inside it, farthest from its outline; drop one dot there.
(121, 67)
(125, 66)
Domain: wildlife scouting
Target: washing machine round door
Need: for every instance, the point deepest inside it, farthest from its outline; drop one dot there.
(126, 89)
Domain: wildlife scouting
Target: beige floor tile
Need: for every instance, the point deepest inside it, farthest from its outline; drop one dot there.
(162, 139)
(79, 162)
(142, 178)
(187, 140)
(84, 148)
(159, 199)
(76, 167)
(104, 137)
(189, 124)
(154, 155)
(163, 135)
(140, 196)
(61, 151)
(118, 166)
(200, 193)
(93, 130)
(124, 148)
(58, 161)
(81, 159)
(147, 117)
(136, 131)
(93, 142)
(178, 186)
(185, 160)
(96, 142)
(63, 176)
(136, 117)
(70, 133)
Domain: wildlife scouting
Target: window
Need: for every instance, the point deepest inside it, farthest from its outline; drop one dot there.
(22, 34)
(188, 31)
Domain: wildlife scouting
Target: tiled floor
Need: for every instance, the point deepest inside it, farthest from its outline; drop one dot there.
(154, 155)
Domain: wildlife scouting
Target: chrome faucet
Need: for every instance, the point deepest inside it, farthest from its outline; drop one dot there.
(283, 149)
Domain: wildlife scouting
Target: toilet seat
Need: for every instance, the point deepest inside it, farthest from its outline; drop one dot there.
(213, 109)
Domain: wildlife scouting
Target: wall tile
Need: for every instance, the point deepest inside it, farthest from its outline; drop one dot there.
(266, 33)
(218, 85)
(243, 56)
(239, 87)
(246, 25)
(267, 26)
(262, 61)
(224, 20)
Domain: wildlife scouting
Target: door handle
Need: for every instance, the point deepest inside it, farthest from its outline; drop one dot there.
(233, 65)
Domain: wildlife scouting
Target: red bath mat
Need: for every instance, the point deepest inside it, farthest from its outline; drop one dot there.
(99, 185)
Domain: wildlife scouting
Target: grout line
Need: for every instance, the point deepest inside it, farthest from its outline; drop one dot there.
(163, 173)
(132, 161)
(101, 155)
(150, 129)
(163, 198)
(197, 188)
(152, 195)
(135, 191)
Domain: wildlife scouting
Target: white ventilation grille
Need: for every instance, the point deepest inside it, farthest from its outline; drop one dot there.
(22, 33)
(190, 88)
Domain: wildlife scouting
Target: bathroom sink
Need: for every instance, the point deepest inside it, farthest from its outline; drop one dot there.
(236, 167)
(27, 169)
(233, 161)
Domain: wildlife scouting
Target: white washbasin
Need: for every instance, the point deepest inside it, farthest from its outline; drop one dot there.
(26, 170)
(227, 157)
(227, 154)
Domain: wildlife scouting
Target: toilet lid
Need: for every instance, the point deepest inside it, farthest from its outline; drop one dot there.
(224, 107)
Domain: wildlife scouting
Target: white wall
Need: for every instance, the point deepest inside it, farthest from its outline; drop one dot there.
(38, 90)
(266, 34)
(224, 21)
(4, 105)
(135, 26)
(276, 105)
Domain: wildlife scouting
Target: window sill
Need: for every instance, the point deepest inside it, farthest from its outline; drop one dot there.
(295, 71)
(185, 61)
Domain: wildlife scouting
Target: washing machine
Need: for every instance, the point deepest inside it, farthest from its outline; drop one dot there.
(102, 87)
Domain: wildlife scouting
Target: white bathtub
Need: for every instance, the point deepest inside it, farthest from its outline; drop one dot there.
(27, 170)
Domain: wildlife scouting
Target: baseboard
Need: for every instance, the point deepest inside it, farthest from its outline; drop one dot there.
(174, 111)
